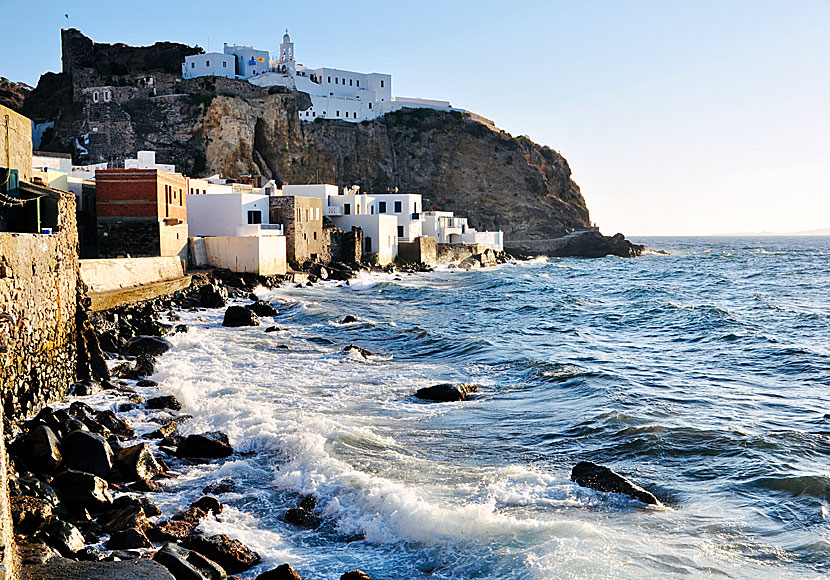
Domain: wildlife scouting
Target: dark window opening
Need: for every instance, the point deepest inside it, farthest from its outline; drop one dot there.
(255, 217)
(381, 207)
(347, 209)
(397, 207)
(400, 231)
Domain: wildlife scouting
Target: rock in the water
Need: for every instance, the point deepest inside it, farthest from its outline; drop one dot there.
(209, 505)
(212, 445)
(166, 430)
(123, 518)
(211, 296)
(302, 518)
(221, 486)
(283, 572)
(232, 555)
(129, 539)
(65, 538)
(263, 308)
(84, 490)
(592, 244)
(361, 351)
(149, 345)
(123, 501)
(348, 319)
(445, 392)
(601, 478)
(236, 316)
(355, 575)
(87, 452)
(41, 449)
(138, 462)
(85, 388)
(272, 329)
(185, 564)
(29, 514)
(164, 402)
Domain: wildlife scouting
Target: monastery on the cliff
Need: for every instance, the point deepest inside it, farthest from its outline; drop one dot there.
(335, 93)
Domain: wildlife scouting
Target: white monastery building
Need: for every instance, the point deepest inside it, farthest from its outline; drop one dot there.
(335, 93)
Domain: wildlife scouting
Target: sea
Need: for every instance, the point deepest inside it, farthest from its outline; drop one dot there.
(702, 375)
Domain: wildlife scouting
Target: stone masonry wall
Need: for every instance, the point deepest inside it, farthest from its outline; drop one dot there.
(421, 250)
(8, 561)
(141, 238)
(39, 288)
(19, 131)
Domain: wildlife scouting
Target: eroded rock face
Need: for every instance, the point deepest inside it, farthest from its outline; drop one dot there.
(601, 478)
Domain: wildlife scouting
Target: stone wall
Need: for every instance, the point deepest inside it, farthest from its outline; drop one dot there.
(340, 246)
(8, 560)
(422, 250)
(302, 220)
(119, 238)
(39, 288)
(18, 130)
(453, 253)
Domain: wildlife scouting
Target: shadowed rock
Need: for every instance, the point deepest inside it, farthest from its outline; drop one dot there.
(164, 402)
(262, 308)
(361, 351)
(41, 449)
(283, 572)
(148, 345)
(186, 564)
(123, 518)
(88, 452)
(445, 392)
(355, 575)
(601, 478)
(29, 514)
(138, 462)
(84, 490)
(65, 538)
(211, 296)
(129, 539)
(232, 555)
(236, 316)
(212, 445)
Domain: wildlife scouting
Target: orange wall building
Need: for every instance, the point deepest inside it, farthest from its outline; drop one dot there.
(141, 212)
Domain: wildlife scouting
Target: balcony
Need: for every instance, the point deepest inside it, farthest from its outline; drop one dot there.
(333, 210)
(249, 230)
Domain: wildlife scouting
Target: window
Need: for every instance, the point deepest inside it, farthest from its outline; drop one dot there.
(381, 84)
(207, 63)
(357, 209)
(335, 80)
(338, 113)
(350, 82)
(254, 217)
(370, 105)
(344, 82)
(347, 209)
(192, 65)
(415, 207)
(329, 80)
(315, 236)
(95, 97)
(306, 214)
(367, 244)
(381, 207)
(224, 64)
(397, 207)
(400, 231)
(106, 96)
(347, 114)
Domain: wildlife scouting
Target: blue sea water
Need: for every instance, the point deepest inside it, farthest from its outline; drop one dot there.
(702, 375)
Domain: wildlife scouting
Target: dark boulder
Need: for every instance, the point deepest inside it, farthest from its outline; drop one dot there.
(236, 316)
(221, 486)
(90, 555)
(445, 392)
(138, 462)
(179, 526)
(348, 319)
(166, 430)
(302, 518)
(355, 575)
(272, 329)
(145, 365)
(148, 345)
(211, 296)
(29, 514)
(361, 351)
(123, 501)
(129, 539)
(33, 487)
(212, 445)
(85, 388)
(65, 538)
(263, 308)
(115, 424)
(164, 402)
(146, 383)
(208, 504)
(601, 478)
(83, 490)
(283, 572)
(123, 518)
(592, 244)
(87, 452)
(232, 555)
(186, 564)
(41, 449)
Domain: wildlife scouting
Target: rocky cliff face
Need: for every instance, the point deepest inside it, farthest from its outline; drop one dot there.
(13, 94)
(212, 125)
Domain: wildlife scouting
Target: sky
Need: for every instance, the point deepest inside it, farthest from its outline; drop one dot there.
(676, 117)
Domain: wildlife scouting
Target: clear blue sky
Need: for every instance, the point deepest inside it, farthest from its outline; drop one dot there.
(677, 117)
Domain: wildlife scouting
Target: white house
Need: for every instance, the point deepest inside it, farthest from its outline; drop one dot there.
(447, 228)
(147, 160)
(249, 61)
(236, 230)
(406, 207)
(215, 64)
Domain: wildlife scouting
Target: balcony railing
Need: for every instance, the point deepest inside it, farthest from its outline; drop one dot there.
(334, 210)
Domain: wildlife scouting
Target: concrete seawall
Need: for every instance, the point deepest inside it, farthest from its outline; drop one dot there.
(118, 281)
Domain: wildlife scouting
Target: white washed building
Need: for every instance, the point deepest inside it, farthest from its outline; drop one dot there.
(147, 160)
(214, 64)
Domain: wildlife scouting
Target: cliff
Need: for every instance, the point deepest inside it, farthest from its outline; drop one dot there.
(211, 125)
(12, 94)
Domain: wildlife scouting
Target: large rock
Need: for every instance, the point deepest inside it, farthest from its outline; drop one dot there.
(208, 504)
(164, 402)
(262, 308)
(232, 555)
(115, 424)
(283, 572)
(84, 388)
(129, 539)
(148, 345)
(41, 449)
(180, 526)
(212, 296)
(212, 445)
(588, 244)
(236, 316)
(445, 392)
(139, 569)
(88, 452)
(140, 501)
(186, 564)
(138, 462)
(123, 518)
(355, 575)
(33, 487)
(302, 518)
(601, 478)
(65, 538)
(83, 490)
(29, 514)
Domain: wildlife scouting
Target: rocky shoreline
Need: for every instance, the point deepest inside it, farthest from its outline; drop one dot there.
(83, 479)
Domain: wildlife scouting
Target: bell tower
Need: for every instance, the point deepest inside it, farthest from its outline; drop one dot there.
(287, 54)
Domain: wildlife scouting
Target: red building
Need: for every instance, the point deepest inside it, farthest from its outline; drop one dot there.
(141, 212)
